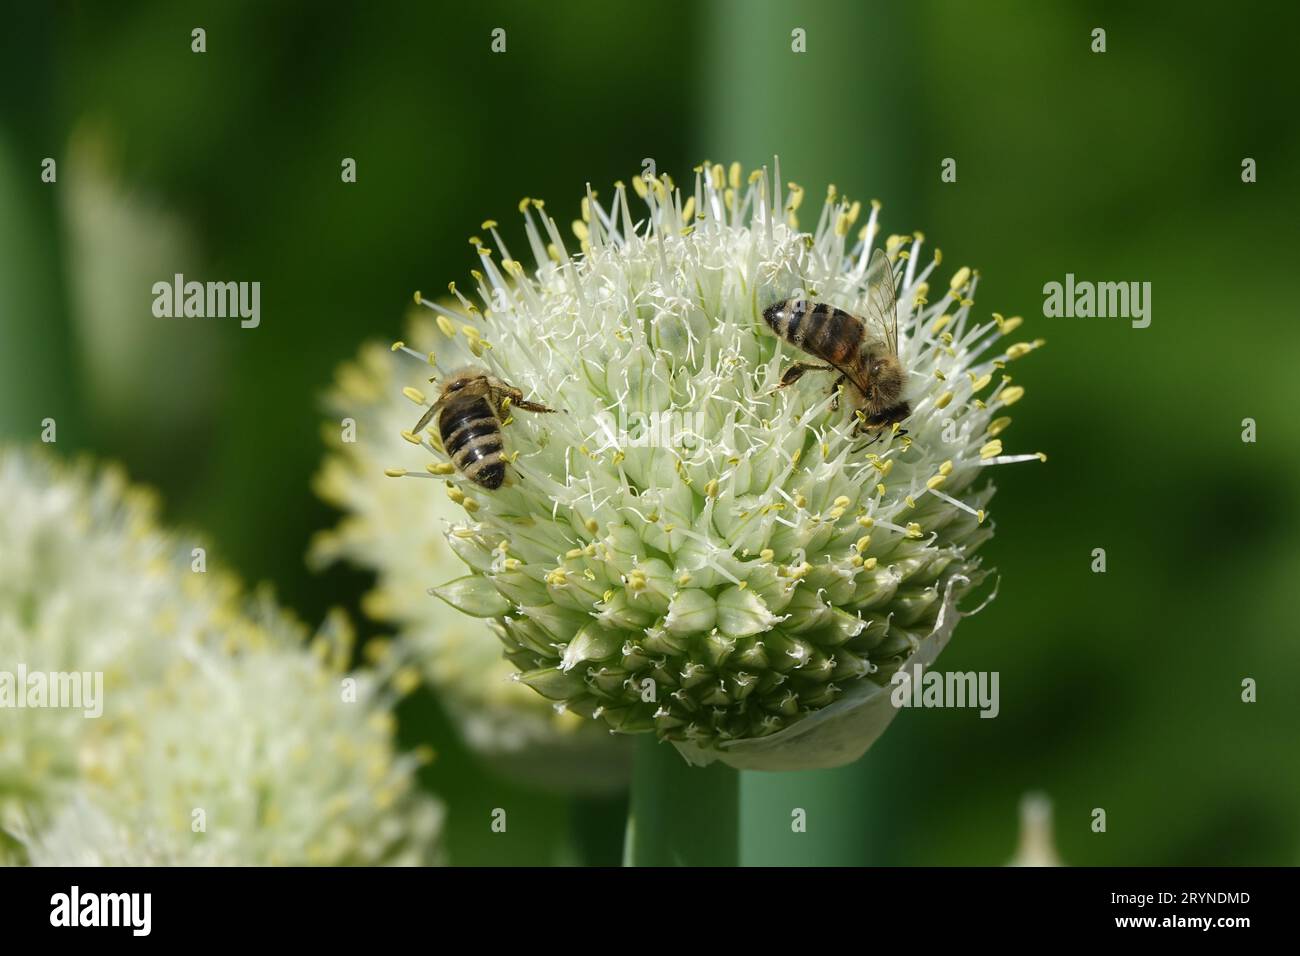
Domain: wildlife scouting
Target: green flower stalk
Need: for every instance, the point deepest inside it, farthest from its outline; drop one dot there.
(221, 736)
(682, 549)
(508, 725)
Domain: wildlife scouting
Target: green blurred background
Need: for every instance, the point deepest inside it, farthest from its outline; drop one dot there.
(1119, 690)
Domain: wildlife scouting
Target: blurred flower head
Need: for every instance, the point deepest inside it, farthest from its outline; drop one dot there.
(402, 537)
(224, 738)
(682, 550)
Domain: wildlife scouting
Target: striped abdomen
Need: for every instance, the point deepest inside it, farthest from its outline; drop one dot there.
(471, 436)
(830, 334)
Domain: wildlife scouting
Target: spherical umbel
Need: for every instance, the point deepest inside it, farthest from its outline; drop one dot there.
(716, 539)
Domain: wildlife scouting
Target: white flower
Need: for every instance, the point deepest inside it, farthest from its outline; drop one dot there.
(403, 538)
(223, 737)
(745, 588)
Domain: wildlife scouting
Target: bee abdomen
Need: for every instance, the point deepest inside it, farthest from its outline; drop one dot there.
(836, 337)
(790, 320)
(819, 329)
(471, 435)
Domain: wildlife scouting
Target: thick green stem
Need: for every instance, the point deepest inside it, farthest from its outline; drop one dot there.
(813, 818)
(681, 815)
(838, 112)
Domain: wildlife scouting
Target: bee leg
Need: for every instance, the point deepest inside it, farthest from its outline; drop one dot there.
(532, 407)
(835, 402)
(795, 372)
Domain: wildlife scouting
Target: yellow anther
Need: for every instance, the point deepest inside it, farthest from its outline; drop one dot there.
(936, 481)
(399, 344)
(683, 579)
(998, 426)
(394, 472)
(718, 176)
(440, 468)
(979, 384)
(880, 489)
(1019, 350)
(446, 327)
(406, 680)
(866, 521)
(1012, 395)
(573, 553)
(591, 525)
(1042, 456)
(856, 561)
(959, 279)
(884, 467)
(470, 504)
(946, 468)
(979, 516)
(580, 229)
(913, 530)
(1007, 326)
(800, 501)
(733, 175)
(688, 208)
(455, 494)
(412, 437)
(512, 564)
(557, 576)
(636, 579)
(414, 394)
(943, 400)
(419, 299)
(909, 501)
(767, 554)
(863, 543)
(991, 449)
(869, 564)
(711, 488)
(795, 199)
(524, 204)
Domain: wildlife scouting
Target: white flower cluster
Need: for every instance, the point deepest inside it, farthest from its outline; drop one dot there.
(224, 738)
(745, 582)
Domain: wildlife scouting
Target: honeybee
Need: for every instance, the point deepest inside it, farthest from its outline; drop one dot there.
(470, 407)
(864, 352)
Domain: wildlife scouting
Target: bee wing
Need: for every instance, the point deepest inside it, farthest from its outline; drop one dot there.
(425, 418)
(430, 412)
(882, 309)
